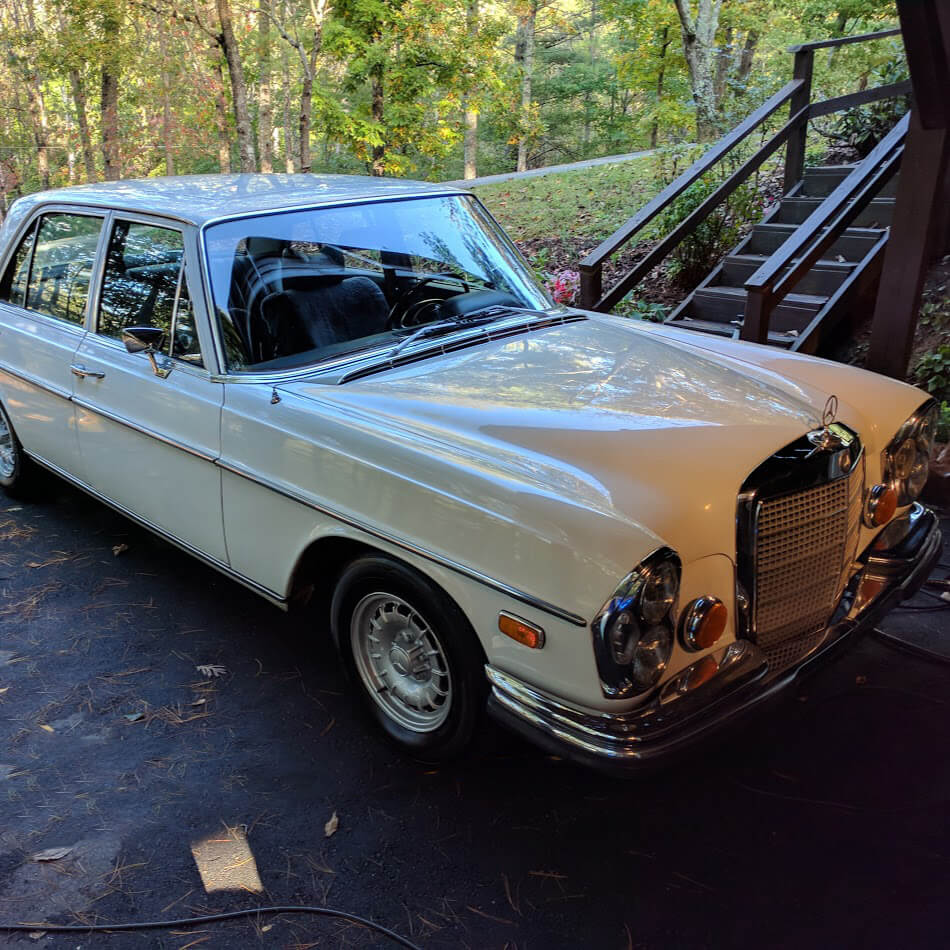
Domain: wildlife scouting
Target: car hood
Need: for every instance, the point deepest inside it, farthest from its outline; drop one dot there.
(627, 424)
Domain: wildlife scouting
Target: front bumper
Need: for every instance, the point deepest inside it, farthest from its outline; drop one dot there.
(727, 683)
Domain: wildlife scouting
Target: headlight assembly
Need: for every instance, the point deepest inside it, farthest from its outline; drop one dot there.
(634, 631)
(906, 460)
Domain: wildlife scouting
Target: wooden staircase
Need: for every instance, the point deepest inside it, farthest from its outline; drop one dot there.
(814, 259)
(835, 286)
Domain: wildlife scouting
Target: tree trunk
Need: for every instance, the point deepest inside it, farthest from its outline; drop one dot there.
(109, 122)
(265, 103)
(723, 66)
(378, 164)
(746, 58)
(660, 76)
(82, 123)
(289, 149)
(699, 35)
(166, 103)
(526, 25)
(242, 117)
(221, 116)
(40, 125)
(303, 122)
(470, 143)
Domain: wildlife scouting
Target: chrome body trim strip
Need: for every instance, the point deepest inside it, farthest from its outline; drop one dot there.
(143, 430)
(724, 684)
(33, 381)
(265, 592)
(409, 546)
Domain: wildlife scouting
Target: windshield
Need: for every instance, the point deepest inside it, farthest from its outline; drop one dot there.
(295, 288)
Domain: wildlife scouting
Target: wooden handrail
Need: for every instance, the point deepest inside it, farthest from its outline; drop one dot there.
(843, 41)
(695, 217)
(852, 99)
(768, 286)
(726, 144)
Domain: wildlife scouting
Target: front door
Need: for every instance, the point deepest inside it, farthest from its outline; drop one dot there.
(149, 429)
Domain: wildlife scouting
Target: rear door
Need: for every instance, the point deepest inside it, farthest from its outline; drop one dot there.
(149, 433)
(44, 296)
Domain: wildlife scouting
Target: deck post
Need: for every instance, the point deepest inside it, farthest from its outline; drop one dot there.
(795, 151)
(591, 285)
(920, 221)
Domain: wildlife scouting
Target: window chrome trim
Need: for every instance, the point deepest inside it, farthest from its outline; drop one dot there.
(266, 592)
(499, 586)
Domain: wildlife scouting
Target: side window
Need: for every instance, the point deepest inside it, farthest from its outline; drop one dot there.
(62, 265)
(13, 287)
(143, 264)
(144, 286)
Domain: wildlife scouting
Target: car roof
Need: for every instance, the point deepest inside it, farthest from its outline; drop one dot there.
(201, 198)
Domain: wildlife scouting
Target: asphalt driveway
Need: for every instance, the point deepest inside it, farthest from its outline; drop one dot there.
(177, 791)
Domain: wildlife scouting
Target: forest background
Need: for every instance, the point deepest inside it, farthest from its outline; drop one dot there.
(432, 89)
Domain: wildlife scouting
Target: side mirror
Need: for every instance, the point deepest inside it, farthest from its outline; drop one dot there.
(148, 340)
(137, 339)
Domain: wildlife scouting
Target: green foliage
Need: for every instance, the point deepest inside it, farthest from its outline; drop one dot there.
(715, 236)
(642, 310)
(862, 128)
(943, 423)
(932, 372)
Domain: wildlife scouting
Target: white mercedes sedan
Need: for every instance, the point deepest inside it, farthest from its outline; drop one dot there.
(353, 396)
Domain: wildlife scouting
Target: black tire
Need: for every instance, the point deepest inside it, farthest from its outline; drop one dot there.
(436, 623)
(16, 470)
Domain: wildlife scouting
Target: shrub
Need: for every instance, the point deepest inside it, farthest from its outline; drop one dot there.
(932, 372)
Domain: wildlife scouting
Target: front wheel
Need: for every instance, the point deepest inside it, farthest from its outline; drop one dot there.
(14, 465)
(413, 655)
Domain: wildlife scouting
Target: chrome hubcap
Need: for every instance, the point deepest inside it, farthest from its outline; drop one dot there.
(401, 662)
(7, 450)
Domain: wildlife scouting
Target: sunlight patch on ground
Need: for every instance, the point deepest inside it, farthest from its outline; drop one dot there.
(226, 863)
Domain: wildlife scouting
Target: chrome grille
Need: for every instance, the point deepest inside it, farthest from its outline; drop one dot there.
(805, 544)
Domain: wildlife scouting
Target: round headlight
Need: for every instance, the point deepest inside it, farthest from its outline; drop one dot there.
(623, 636)
(659, 592)
(651, 656)
(904, 458)
(907, 459)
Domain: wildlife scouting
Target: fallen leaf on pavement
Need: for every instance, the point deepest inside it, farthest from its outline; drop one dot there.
(52, 854)
(47, 728)
(119, 549)
(135, 717)
(331, 826)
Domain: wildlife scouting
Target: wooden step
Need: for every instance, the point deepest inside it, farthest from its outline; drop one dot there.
(728, 330)
(820, 181)
(825, 277)
(853, 244)
(795, 210)
(727, 305)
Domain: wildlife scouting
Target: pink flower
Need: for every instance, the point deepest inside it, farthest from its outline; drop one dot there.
(564, 286)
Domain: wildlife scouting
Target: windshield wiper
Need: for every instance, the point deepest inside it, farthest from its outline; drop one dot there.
(474, 318)
(440, 326)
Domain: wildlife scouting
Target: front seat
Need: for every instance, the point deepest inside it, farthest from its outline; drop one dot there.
(300, 320)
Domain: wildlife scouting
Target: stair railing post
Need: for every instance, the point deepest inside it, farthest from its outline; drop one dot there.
(758, 311)
(591, 285)
(795, 151)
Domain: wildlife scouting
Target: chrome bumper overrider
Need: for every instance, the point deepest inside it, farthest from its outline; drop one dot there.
(726, 683)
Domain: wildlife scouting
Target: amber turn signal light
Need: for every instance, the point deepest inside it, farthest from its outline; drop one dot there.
(881, 505)
(520, 630)
(703, 623)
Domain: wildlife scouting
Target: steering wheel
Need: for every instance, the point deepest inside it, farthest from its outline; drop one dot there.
(407, 312)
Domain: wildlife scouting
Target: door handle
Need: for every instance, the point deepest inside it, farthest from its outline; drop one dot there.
(79, 370)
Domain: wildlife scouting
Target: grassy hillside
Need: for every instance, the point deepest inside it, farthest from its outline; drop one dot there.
(584, 205)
